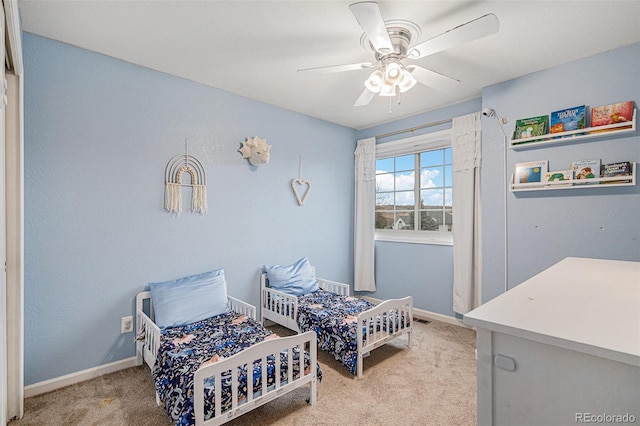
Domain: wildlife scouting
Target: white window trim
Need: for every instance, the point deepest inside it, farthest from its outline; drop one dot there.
(413, 145)
(415, 237)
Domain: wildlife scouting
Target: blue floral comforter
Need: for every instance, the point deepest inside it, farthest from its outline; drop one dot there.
(333, 318)
(184, 349)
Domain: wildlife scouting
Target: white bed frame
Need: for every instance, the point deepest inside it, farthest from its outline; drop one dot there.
(282, 308)
(147, 349)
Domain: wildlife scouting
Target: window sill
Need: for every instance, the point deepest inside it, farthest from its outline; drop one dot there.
(434, 238)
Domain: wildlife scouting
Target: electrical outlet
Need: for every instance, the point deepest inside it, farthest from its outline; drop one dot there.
(126, 325)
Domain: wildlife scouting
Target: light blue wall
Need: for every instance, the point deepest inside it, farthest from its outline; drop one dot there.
(419, 270)
(542, 227)
(98, 134)
(547, 226)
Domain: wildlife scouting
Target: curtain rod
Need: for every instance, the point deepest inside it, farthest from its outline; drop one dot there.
(413, 129)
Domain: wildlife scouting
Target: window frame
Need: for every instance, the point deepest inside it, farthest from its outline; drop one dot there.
(414, 145)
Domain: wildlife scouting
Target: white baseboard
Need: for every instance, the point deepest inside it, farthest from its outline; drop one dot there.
(80, 376)
(426, 315)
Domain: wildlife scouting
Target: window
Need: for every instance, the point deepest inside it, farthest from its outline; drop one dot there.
(414, 190)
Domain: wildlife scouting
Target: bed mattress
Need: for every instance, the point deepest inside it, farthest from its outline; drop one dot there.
(333, 318)
(184, 349)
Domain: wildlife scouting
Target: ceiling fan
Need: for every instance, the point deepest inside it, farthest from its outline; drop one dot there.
(390, 42)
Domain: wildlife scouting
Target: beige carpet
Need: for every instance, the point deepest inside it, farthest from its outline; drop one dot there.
(433, 383)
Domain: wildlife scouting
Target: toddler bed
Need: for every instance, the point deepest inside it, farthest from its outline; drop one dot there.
(347, 327)
(210, 370)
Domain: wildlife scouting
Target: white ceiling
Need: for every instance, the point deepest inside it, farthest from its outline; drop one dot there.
(254, 48)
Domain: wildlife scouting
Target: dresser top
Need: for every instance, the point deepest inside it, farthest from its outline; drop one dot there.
(588, 305)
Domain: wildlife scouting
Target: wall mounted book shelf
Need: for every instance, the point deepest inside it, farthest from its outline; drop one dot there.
(575, 135)
(602, 182)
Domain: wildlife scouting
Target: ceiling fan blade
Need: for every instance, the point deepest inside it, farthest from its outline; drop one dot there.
(368, 15)
(365, 97)
(336, 68)
(472, 30)
(432, 79)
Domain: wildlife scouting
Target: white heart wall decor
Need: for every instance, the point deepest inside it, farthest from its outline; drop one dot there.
(295, 184)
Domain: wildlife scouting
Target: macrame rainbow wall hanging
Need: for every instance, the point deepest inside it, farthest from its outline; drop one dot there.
(175, 170)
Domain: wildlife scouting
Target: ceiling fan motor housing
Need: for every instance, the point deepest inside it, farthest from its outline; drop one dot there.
(401, 32)
(400, 39)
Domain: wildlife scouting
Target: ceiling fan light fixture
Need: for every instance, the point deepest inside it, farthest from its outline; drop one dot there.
(375, 81)
(393, 73)
(407, 81)
(388, 90)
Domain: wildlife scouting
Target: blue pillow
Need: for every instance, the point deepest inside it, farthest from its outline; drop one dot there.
(296, 279)
(189, 299)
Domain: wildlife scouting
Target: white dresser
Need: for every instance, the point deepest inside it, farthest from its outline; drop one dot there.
(562, 348)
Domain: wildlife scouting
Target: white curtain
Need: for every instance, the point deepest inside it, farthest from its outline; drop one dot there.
(364, 221)
(466, 157)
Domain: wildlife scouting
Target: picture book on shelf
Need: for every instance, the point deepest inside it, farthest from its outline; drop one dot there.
(529, 127)
(532, 171)
(568, 119)
(585, 170)
(559, 176)
(612, 114)
(622, 168)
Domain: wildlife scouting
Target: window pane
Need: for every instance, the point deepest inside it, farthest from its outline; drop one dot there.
(430, 220)
(448, 177)
(404, 221)
(448, 197)
(431, 158)
(384, 182)
(384, 220)
(384, 200)
(406, 162)
(405, 200)
(384, 165)
(447, 156)
(448, 219)
(405, 180)
(431, 178)
(431, 198)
